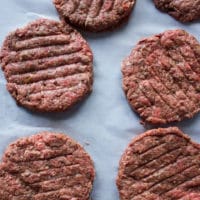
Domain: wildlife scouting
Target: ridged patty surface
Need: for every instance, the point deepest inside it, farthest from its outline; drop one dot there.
(161, 164)
(46, 166)
(161, 77)
(48, 65)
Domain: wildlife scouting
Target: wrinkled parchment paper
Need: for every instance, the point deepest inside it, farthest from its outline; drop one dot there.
(104, 123)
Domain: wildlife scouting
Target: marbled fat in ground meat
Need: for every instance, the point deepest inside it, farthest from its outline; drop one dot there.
(182, 10)
(161, 77)
(95, 15)
(48, 66)
(46, 166)
(161, 164)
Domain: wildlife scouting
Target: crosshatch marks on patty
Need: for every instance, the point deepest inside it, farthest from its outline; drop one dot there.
(181, 10)
(48, 66)
(46, 166)
(161, 77)
(94, 15)
(160, 164)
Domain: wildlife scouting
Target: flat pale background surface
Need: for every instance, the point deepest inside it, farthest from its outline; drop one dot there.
(104, 120)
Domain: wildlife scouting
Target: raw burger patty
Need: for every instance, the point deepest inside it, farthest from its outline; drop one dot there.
(161, 77)
(48, 66)
(46, 166)
(95, 15)
(161, 164)
(182, 10)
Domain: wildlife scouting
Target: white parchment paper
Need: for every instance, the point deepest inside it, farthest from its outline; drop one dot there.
(104, 123)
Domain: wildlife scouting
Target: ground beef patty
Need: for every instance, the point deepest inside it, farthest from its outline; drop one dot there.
(95, 15)
(161, 77)
(182, 10)
(48, 66)
(161, 164)
(46, 166)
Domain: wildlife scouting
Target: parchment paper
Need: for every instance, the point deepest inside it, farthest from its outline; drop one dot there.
(104, 123)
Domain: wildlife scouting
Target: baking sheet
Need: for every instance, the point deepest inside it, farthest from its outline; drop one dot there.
(104, 123)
